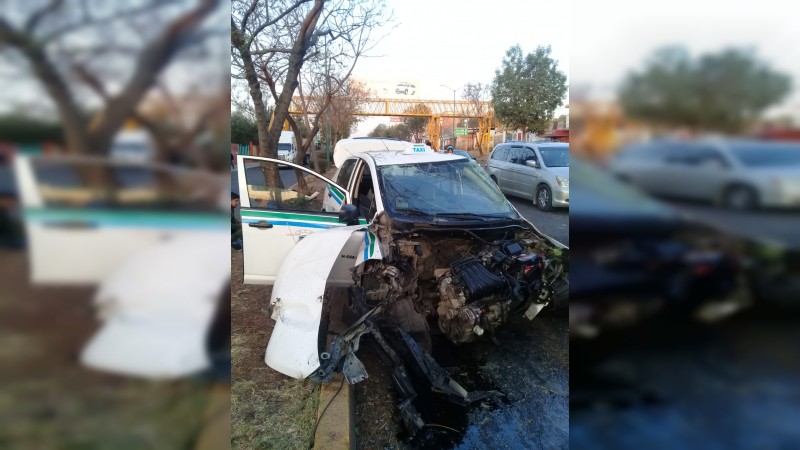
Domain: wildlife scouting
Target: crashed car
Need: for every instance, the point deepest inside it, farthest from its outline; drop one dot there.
(421, 242)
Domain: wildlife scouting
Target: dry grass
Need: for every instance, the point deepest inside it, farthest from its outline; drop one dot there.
(268, 410)
(49, 401)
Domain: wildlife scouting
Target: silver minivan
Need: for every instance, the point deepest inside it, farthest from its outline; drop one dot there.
(534, 170)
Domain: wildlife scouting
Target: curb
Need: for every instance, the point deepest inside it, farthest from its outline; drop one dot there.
(336, 416)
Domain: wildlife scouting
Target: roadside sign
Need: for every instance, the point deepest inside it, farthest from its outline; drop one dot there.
(462, 131)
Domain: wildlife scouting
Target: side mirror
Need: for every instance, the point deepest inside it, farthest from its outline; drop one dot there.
(349, 215)
(532, 163)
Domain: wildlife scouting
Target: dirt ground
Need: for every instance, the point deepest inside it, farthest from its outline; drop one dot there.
(48, 400)
(268, 409)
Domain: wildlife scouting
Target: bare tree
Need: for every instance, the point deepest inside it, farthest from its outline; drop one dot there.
(101, 49)
(479, 95)
(272, 42)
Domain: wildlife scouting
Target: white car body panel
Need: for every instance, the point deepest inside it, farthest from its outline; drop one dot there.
(297, 298)
(155, 326)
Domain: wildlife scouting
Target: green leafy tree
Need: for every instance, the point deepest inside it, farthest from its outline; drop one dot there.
(22, 129)
(527, 89)
(243, 128)
(724, 91)
(400, 131)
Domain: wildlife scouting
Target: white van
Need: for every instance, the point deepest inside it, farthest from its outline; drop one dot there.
(132, 145)
(287, 146)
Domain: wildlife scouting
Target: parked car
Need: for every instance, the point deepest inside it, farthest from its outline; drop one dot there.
(636, 258)
(405, 88)
(532, 170)
(738, 174)
(412, 239)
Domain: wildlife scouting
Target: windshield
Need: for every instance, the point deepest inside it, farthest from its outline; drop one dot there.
(555, 156)
(767, 155)
(454, 188)
(284, 147)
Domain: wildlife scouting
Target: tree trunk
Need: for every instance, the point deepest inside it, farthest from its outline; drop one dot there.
(271, 174)
(296, 58)
(72, 119)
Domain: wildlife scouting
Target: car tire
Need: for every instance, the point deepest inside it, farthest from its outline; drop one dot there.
(544, 198)
(740, 197)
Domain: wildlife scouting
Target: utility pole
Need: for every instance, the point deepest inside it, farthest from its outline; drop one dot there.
(454, 113)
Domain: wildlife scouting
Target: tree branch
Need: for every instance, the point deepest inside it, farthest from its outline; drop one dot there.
(37, 17)
(261, 27)
(106, 20)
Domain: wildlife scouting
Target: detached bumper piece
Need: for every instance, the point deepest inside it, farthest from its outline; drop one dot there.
(407, 361)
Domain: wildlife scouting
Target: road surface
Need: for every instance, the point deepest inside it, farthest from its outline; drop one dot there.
(554, 223)
(780, 228)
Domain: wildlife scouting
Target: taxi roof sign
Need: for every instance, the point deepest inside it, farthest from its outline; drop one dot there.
(413, 149)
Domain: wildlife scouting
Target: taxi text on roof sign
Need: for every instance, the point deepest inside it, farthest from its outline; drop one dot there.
(416, 148)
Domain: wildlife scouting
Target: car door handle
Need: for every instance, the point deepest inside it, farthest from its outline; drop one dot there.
(263, 224)
(72, 224)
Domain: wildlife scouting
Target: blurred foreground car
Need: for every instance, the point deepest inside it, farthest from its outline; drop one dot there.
(738, 174)
(634, 258)
(415, 241)
(532, 170)
(152, 237)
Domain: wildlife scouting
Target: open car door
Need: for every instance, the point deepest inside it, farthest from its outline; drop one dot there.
(275, 216)
(86, 216)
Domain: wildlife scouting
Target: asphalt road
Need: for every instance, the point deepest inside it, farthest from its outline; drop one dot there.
(673, 385)
(780, 228)
(554, 223)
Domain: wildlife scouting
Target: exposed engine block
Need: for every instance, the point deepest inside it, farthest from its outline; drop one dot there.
(474, 299)
(461, 319)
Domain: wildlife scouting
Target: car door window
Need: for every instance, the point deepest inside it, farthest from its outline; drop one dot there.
(265, 195)
(515, 155)
(501, 153)
(526, 154)
(124, 186)
(708, 157)
(364, 193)
(347, 171)
(678, 154)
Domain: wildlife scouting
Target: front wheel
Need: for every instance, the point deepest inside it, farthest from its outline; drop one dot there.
(544, 198)
(740, 198)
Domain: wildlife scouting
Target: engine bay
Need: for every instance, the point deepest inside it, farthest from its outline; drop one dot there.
(461, 283)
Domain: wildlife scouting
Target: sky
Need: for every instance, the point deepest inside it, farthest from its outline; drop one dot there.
(610, 38)
(446, 42)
